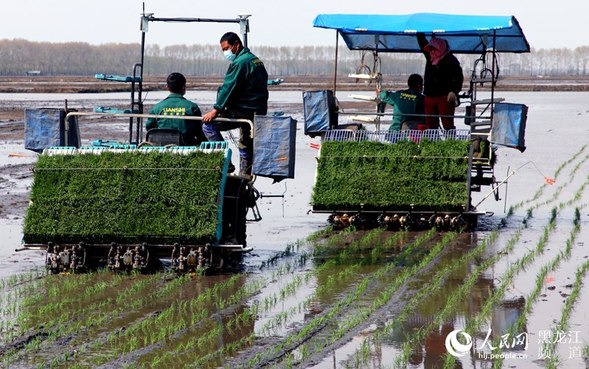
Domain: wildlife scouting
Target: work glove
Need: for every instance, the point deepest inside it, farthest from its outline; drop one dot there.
(451, 97)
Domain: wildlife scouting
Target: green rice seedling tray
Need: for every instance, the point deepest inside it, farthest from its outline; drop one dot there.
(404, 176)
(127, 196)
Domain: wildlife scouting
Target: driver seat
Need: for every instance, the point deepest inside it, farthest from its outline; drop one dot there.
(164, 137)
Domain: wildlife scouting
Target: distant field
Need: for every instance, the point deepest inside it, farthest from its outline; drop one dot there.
(88, 84)
(11, 113)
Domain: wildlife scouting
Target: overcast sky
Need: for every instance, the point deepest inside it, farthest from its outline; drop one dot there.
(546, 23)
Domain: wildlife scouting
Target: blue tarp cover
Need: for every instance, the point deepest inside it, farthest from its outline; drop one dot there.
(509, 125)
(466, 34)
(319, 113)
(274, 146)
(45, 127)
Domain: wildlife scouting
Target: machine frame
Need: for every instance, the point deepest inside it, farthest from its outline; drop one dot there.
(466, 34)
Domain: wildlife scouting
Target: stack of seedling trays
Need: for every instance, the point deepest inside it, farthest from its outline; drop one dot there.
(127, 196)
(428, 176)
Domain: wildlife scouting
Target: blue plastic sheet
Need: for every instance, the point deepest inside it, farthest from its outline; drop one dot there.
(320, 111)
(396, 32)
(509, 125)
(274, 146)
(45, 127)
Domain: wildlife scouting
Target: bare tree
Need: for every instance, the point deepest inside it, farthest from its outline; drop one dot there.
(77, 58)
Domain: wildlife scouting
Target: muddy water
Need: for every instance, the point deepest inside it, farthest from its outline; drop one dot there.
(408, 329)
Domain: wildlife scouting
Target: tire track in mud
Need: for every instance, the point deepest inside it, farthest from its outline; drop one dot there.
(15, 195)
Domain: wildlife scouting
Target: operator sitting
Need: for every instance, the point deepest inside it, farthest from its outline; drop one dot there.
(176, 104)
(408, 105)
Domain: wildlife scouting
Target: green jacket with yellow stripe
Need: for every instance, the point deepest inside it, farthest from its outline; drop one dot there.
(245, 88)
(176, 104)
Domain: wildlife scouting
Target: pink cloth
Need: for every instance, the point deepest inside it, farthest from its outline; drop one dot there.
(437, 49)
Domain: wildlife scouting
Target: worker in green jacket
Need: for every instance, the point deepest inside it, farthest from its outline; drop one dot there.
(408, 105)
(244, 93)
(177, 104)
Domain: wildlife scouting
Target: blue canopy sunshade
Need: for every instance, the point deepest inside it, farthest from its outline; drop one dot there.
(466, 34)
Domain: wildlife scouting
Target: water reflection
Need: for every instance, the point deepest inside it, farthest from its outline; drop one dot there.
(430, 353)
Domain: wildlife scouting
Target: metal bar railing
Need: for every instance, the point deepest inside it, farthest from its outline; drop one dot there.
(396, 136)
(133, 115)
(414, 115)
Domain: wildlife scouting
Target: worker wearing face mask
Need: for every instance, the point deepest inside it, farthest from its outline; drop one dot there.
(244, 93)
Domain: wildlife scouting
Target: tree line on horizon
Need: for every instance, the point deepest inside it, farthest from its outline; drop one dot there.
(17, 57)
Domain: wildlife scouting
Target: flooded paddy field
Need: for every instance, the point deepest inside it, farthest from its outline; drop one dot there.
(513, 291)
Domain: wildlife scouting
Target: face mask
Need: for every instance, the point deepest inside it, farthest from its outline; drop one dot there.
(229, 55)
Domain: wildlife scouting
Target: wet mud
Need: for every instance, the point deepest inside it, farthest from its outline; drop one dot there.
(313, 297)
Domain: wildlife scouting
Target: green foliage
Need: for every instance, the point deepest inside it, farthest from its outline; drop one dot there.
(429, 176)
(124, 197)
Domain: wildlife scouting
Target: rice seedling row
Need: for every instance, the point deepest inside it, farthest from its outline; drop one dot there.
(449, 309)
(494, 299)
(540, 191)
(58, 306)
(281, 351)
(230, 322)
(566, 311)
(553, 265)
(342, 277)
(282, 318)
(179, 316)
(557, 193)
(97, 318)
(465, 288)
(61, 316)
(278, 320)
(363, 352)
(15, 280)
(508, 276)
(145, 333)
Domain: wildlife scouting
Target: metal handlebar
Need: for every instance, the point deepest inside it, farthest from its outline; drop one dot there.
(137, 115)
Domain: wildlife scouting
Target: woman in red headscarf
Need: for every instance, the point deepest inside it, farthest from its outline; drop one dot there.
(442, 81)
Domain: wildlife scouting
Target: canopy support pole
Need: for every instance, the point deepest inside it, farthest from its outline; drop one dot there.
(494, 79)
(335, 63)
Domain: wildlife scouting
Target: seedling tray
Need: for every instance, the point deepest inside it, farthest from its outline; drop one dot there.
(126, 196)
(403, 176)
